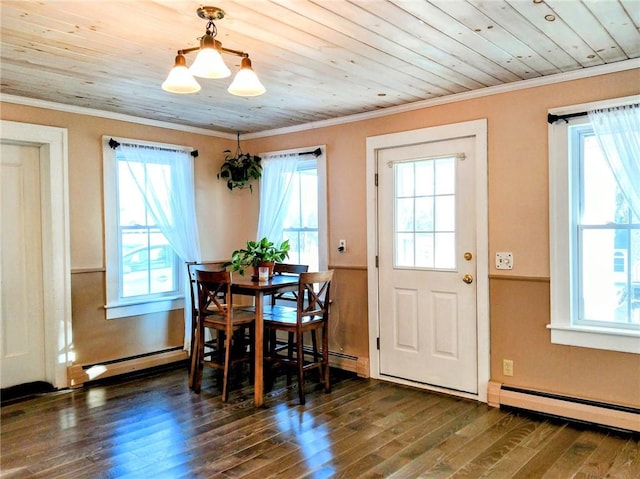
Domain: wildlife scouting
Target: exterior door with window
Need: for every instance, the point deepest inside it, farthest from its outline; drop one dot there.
(427, 263)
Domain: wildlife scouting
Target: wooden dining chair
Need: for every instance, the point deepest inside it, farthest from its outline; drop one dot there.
(217, 314)
(310, 315)
(291, 297)
(192, 267)
(276, 306)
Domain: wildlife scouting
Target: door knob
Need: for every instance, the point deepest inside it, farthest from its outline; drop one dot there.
(467, 278)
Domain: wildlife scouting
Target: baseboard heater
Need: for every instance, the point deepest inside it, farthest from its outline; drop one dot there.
(577, 409)
(78, 374)
(355, 364)
(340, 360)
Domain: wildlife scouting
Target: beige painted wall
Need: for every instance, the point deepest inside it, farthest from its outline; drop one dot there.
(96, 339)
(518, 222)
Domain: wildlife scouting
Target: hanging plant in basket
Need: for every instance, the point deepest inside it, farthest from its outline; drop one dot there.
(240, 169)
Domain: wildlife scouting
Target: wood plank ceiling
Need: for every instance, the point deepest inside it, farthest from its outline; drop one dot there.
(318, 59)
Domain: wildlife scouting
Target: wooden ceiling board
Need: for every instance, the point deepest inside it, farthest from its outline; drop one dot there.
(456, 51)
(318, 59)
(512, 20)
(347, 43)
(584, 23)
(385, 37)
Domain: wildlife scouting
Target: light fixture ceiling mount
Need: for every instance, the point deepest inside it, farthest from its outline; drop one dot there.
(210, 13)
(209, 63)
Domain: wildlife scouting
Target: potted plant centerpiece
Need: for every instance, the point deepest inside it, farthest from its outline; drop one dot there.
(240, 169)
(259, 253)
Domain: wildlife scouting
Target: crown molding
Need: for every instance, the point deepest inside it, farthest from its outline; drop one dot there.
(81, 110)
(483, 92)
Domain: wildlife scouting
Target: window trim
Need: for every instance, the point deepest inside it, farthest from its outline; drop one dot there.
(561, 199)
(321, 167)
(115, 307)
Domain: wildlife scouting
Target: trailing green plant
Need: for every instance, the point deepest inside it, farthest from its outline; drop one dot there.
(256, 252)
(239, 169)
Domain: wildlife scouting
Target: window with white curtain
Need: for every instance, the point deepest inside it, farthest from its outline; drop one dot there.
(594, 165)
(293, 204)
(148, 193)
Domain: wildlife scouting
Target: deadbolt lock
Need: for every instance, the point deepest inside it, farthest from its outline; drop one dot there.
(468, 256)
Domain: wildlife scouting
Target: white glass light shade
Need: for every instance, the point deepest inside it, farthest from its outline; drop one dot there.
(180, 80)
(209, 64)
(246, 81)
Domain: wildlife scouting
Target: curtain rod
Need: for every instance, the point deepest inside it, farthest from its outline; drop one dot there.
(553, 118)
(317, 152)
(114, 144)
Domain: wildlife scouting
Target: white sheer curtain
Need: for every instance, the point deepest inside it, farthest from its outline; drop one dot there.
(165, 179)
(617, 131)
(275, 190)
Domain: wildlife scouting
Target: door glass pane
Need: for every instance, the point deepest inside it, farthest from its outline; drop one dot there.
(404, 249)
(424, 171)
(445, 213)
(404, 175)
(404, 214)
(425, 213)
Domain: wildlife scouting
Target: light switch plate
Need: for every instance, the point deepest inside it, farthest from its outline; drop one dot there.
(504, 260)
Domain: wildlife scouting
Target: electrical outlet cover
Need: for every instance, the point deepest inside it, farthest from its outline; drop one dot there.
(504, 260)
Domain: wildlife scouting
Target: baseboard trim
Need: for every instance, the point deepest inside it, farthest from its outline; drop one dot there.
(78, 374)
(611, 415)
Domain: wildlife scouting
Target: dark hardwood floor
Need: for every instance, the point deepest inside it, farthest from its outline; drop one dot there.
(153, 426)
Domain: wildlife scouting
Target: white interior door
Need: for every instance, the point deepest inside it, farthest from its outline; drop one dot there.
(22, 343)
(427, 263)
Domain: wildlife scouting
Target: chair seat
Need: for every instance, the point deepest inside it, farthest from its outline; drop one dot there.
(289, 318)
(279, 310)
(269, 310)
(238, 318)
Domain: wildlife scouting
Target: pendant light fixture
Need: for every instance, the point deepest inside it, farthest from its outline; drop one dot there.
(210, 64)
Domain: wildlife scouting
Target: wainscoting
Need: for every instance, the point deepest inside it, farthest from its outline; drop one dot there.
(519, 319)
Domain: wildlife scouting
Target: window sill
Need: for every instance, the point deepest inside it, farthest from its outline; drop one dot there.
(611, 339)
(126, 310)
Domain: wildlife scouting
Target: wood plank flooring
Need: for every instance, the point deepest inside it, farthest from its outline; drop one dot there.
(153, 426)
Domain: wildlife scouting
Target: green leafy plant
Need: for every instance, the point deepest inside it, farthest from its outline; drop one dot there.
(259, 252)
(240, 169)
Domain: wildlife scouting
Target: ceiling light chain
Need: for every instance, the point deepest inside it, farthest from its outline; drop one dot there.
(211, 29)
(209, 63)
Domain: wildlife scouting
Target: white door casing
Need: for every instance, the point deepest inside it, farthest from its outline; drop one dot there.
(21, 315)
(51, 143)
(426, 226)
(475, 380)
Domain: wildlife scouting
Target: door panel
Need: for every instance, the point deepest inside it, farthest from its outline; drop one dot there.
(22, 320)
(426, 208)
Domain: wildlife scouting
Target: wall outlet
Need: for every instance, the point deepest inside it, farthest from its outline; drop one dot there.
(342, 246)
(504, 260)
(507, 367)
